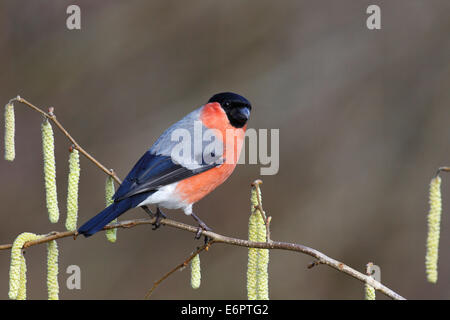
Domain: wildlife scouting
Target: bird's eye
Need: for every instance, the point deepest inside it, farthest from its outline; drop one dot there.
(213, 154)
(227, 104)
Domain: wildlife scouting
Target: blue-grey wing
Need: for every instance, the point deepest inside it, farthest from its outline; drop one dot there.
(169, 160)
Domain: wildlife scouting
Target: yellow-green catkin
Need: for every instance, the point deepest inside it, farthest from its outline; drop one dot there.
(10, 150)
(17, 271)
(258, 259)
(48, 148)
(52, 270)
(252, 259)
(196, 275)
(72, 190)
(434, 222)
(369, 291)
(111, 234)
(22, 294)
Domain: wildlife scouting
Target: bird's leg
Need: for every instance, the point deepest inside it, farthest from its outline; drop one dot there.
(202, 226)
(148, 211)
(159, 216)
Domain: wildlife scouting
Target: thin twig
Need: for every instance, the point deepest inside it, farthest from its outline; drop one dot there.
(178, 267)
(268, 220)
(265, 218)
(444, 169)
(52, 117)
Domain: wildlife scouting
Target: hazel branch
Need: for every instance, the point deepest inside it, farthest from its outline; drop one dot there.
(218, 238)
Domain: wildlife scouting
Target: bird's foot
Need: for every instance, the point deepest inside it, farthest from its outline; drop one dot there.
(159, 215)
(201, 227)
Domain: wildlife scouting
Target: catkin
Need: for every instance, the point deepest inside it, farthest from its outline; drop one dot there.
(196, 275)
(434, 221)
(17, 271)
(369, 292)
(48, 148)
(10, 151)
(258, 259)
(72, 190)
(111, 234)
(252, 264)
(52, 270)
(22, 293)
(263, 276)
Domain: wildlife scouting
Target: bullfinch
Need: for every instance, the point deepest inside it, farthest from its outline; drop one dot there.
(188, 161)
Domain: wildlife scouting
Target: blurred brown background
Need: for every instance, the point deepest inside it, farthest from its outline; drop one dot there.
(363, 118)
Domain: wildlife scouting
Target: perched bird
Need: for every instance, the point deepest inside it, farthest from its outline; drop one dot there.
(175, 174)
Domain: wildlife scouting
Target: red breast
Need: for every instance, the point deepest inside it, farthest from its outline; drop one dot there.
(195, 188)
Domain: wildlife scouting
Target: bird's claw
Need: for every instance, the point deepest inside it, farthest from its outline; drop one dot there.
(156, 224)
(202, 227)
(158, 215)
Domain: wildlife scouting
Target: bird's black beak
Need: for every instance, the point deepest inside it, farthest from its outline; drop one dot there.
(242, 114)
(238, 116)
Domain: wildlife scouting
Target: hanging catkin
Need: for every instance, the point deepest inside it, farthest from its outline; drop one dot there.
(72, 190)
(369, 291)
(434, 222)
(258, 259)
(10, 151)
(52, 270)
(17, 270)
(111, 234)
(48, 148)
(196, 275)
(252, 264)
(22, 293)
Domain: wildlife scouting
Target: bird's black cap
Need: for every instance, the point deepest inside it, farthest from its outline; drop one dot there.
(230, 98)
(235, 106)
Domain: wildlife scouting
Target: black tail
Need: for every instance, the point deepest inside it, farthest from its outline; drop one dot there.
(110, 213)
